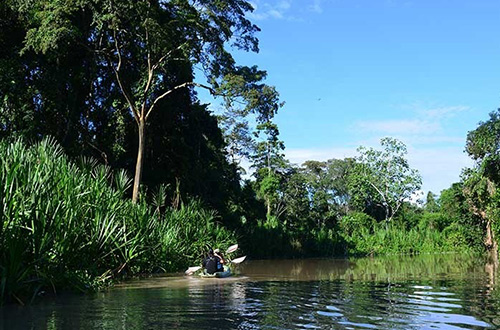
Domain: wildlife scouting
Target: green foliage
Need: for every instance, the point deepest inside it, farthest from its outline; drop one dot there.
(415, 233)
(86, 66)
(456, 235)
(88, 72)
(325, 188)
(481, 183)
(356, 223)
(268, 187)
(64, 226)
(383, 178)
(484, 142)
(296, 200)
(454, 205)
(436, 221)
(272, 240)
(396, 240)
(431, 204)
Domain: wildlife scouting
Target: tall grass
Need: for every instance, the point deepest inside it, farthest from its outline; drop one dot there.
(358, 234)
(64, 225)
(397, 240)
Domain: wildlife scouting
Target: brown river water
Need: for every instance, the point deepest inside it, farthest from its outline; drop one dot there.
(401, 292)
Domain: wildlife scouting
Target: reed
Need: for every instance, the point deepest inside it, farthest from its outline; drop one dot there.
(64, 225)
(395, 239)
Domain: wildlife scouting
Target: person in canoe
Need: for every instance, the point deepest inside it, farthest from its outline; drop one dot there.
(221, 261)
(211, 263)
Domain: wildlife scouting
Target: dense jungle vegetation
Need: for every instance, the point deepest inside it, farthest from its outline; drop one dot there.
(110, 165)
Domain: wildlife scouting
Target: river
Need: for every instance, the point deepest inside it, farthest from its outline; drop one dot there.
(401, 292)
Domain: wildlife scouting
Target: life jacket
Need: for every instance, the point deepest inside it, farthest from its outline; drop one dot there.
(220, 267)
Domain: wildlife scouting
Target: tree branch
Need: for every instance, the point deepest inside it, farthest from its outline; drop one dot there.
(157, 64)
(103, 154)
(382, 195)
(151, 69)
(150, 72)
(119, 79)
(147, 46)
(189, 83)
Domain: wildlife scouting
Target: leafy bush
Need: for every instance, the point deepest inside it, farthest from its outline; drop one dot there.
(436, 221)
(456, 235)
(356, 222)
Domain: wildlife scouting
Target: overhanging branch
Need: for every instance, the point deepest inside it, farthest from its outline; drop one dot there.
(190, 83)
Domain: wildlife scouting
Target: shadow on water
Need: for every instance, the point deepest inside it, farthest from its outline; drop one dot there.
(399, 292)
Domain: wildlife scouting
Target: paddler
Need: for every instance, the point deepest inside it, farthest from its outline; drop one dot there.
(211, 262)
(220, 261)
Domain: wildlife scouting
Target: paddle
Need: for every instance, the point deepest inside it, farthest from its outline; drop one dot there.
(232, 248)
(238, 260)
(191, 270)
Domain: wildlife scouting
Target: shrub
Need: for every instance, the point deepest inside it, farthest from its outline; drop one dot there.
(436, 221)
(356, 222)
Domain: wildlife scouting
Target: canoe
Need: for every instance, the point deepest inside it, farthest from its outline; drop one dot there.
(225, 273)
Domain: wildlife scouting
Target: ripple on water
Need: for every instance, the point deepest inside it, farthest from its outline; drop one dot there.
(323, 298)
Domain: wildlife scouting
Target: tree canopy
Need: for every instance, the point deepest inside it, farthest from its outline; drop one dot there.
(384, 178)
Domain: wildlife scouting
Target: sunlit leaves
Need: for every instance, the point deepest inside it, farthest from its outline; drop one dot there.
(68, 226)
(384, 176)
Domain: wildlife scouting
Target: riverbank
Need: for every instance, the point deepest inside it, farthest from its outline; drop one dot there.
(70, 225)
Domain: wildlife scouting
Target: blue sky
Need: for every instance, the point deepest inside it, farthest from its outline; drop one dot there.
(352, 71)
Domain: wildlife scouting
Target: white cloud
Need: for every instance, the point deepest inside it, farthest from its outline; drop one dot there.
(443, 112)
(438, 156)
(277, 10)
(283, 5)
(298, 156)
(424, 125)
(439, 167)
(405, 126)
(275, 13)
(432, 139)
(316, 7)
(274, 9)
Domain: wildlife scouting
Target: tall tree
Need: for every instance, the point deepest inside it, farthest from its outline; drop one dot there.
(268, 160)
(385, 176)
(53, 91)
(138, 41)
(431, 204)
(296, 199)
(319, 188)
(482, 182)
(338, 171)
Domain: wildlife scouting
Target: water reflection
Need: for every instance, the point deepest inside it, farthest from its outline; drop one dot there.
(425, 292)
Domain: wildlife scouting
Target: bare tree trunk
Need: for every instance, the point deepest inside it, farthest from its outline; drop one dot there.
(492, 262)
(490, 239)
(140, 160)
